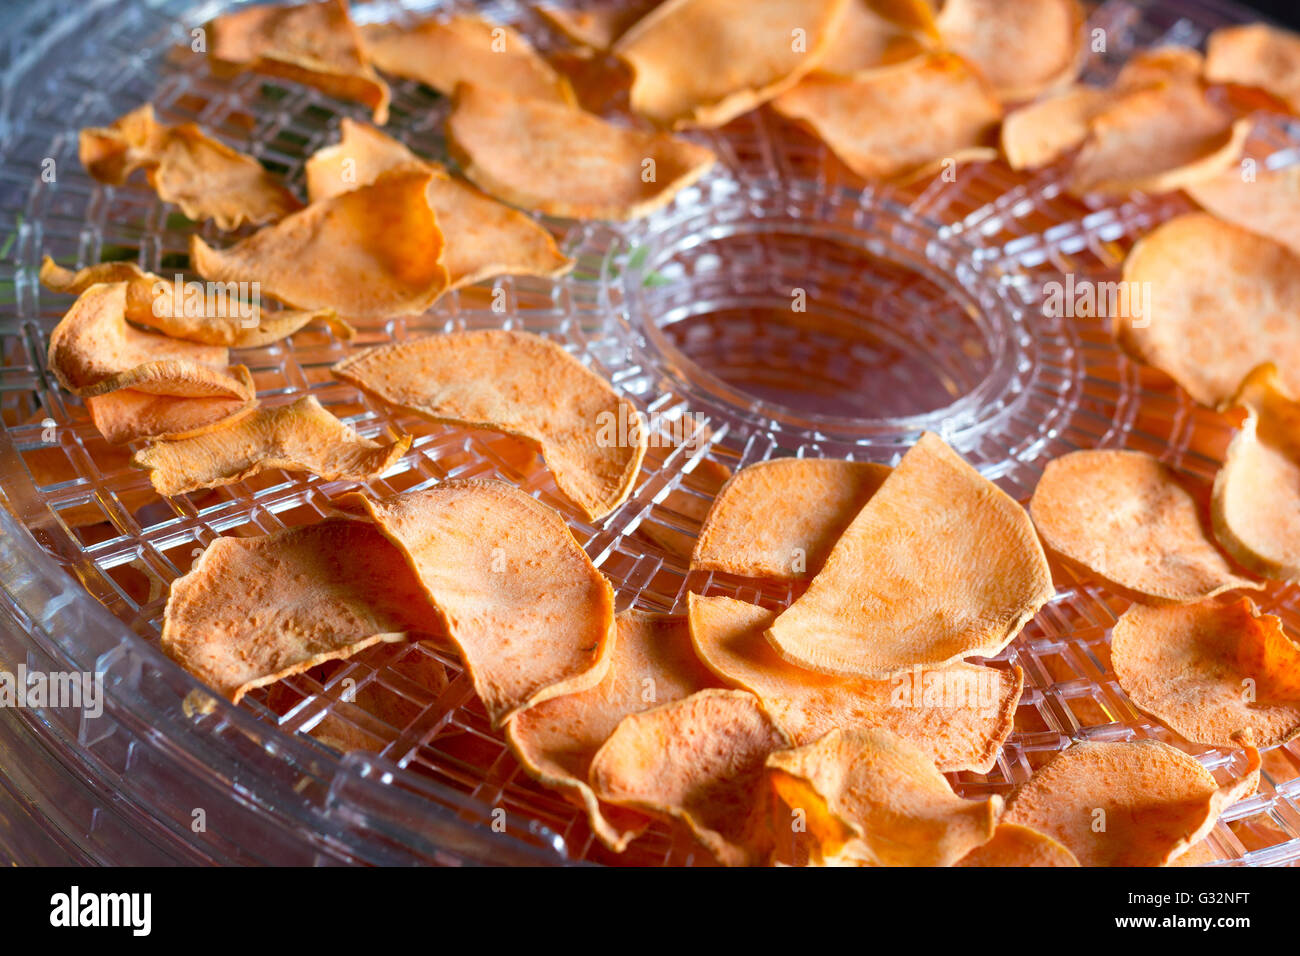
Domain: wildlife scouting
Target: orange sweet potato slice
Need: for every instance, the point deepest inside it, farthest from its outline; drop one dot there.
(1258, 55)
(1015, 845)
(209, 316)
(779, 519)
(704, 62)
(255, 610)
(1267, 203)
(1210, 671)
(298, 437)
(900, 121)
(518, 383)
(185, 166)
(1157, 139)
(1224, 302)
(444, 51)
(127, 415)
(561, 161)
(869, 796)
(375, 251)
(595, 28)
(699, 760)
(1042, 131)
(875, 33)
(312, 43)
(1024, 47)
(937, 566)
(1141, 803)
(652, 663)
(959, 715)
(485, 238)
(1129, 520)
(530, 615)
(1256, 517)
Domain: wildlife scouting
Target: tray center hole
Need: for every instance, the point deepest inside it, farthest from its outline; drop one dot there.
(815, 321)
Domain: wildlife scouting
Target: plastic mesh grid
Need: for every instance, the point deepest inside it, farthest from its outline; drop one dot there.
(946, 264)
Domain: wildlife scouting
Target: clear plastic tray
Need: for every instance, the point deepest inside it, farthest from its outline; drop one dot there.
(924, 313)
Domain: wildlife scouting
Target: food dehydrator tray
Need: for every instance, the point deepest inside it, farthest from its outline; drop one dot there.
(924, 313)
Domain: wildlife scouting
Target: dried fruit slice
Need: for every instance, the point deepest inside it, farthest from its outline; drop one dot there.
(779, 519)
(1267, 202)
(902, 120)
(561, 161)
(704, 62)
(94, 351)
(1256, 517)
(1210, 671)
(1041, 132)
(374, 251)
(1226, 301)
(530, 615)
(1024, 47)
(190, 311)
(652, 663)
(185, 166)
(869, 796)
(1128, 519)
(485, 238)
(521, 384)
(1141, 803)
(958, 715)
(254, 610)
(954, 570)
(444, 51)
(1157, 139)
(298, 437)
(1256, 54)
(128, 415)
(875, 33)
(1014, 845)
(701, 761)
(312, 43)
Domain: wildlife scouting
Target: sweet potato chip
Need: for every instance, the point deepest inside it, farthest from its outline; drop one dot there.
(652, 663)
(779, 519)
(1225, 301)
(298, 437)
(876, 33)
(254, 610)
(1256, 505)
(704, 62)
(1014, 845)
(1160, 64)
(211, 317)
(1267, 202)
(937, 566)
(127, 415)
(1210, 671)
(518, 383)
(700, 761)
(1041, 132)
(598, 27)
(1024, 47)
(374, 251)
(870, 796)
(1128, 519)
(561, 161)
(958, 715)
(1141, 803)
(442, 52)
(484, 238)
(1259, 55)
(901, 120)
(1157, 139)
(312, 43)
(185, 166)
(530, 615)
(94, 351)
